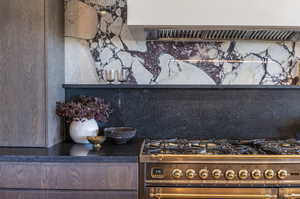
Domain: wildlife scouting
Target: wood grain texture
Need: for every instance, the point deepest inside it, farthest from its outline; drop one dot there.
(49, 194)
(22, 73)
(20, 175)
(31, 71)
(55, 69)
(68, 176)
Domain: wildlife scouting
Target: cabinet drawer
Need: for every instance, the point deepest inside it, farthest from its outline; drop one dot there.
(40, 194)
(69, 176)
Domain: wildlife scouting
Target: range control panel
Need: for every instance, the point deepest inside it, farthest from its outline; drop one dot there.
(239, 173)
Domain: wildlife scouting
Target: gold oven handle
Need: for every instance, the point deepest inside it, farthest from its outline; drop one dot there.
(198, 196)
(291, 196)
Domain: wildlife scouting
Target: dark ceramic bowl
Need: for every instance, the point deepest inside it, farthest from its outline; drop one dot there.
(120, 135)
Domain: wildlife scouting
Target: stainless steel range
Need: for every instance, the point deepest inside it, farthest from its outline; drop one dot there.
(180, 168)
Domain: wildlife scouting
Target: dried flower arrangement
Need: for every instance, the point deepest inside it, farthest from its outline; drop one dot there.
(84, 107)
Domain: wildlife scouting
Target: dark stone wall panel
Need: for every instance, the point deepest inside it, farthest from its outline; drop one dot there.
(202, 113)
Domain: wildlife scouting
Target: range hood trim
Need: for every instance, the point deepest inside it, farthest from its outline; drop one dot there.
(214, 15)
(215, 27)
(219, 34)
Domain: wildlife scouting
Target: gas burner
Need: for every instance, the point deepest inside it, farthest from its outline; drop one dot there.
(171, 145)
(153, 144)
(211, 145)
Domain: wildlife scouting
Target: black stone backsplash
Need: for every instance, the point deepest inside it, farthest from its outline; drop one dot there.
(201, 112)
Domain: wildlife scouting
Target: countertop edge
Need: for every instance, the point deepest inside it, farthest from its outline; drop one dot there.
(177, 86)
(77, 159)
(70, 152)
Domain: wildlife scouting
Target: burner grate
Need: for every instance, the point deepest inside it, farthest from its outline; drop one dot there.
(222, 147)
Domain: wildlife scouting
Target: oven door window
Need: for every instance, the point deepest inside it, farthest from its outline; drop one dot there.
(211, 193)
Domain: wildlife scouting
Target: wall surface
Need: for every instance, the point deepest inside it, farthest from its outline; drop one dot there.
(202, 113)
(191, 112)
(232, 62)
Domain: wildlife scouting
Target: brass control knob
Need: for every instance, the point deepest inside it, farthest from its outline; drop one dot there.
(230, 174)
(269, 174)
(243, 174)
(282, 174)
(190, 173)
(256, 174)
(217, 173)
(177, 173)
(203, 174)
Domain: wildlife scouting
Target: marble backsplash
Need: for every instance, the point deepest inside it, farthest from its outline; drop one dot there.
(155, 62)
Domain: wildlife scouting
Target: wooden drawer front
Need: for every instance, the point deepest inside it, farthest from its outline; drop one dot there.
(28, 194)
(73, 176)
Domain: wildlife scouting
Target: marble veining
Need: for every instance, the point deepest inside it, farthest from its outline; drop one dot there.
(168, 62)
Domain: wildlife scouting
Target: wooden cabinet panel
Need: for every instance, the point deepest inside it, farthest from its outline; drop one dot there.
(31, 71)
(22, 99)
(104, 176)
(20, 175)
(55, 68)
(68, 176)
(40, 194)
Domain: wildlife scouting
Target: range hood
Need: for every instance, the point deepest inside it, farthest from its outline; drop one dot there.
(277, 20)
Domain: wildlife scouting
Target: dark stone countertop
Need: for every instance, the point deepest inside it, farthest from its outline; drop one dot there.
(70, 152)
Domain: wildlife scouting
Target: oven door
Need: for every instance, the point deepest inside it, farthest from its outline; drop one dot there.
(210, 193)
(289, 193)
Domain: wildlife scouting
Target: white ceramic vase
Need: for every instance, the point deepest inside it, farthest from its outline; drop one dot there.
(79, 130)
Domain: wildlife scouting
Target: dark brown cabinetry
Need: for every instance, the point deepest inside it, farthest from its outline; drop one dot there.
(31, 71)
